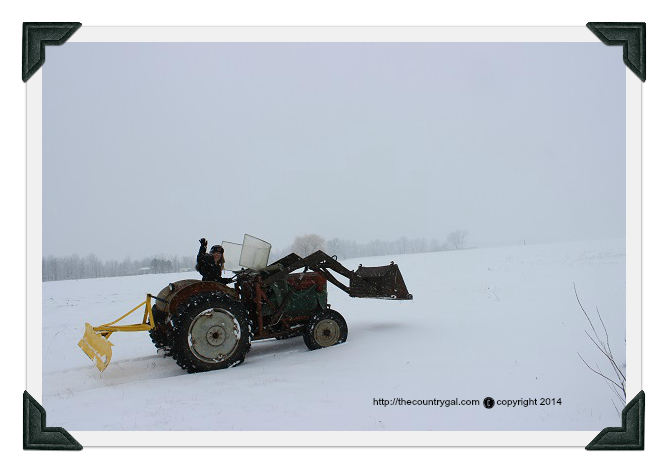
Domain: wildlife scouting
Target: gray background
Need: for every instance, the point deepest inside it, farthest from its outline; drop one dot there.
(149, 146)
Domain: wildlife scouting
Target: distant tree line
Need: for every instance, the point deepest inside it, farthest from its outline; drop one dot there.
(87, 267)
(304, 245)
(90, 266)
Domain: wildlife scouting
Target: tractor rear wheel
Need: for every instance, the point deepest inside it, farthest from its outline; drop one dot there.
(211, 332)
(162, 335)
(325, 329)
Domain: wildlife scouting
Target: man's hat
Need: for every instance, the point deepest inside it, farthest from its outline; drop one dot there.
(217, 249)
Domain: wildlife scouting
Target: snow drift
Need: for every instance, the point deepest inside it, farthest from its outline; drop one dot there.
(498, 322)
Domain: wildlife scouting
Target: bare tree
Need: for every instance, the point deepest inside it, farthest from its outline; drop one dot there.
(306, 244)
(617, 387)
(457, 239)
(335, 247)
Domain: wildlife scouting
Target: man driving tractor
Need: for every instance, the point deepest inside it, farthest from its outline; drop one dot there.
(210, 265)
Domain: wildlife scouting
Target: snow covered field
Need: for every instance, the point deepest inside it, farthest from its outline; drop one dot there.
(499, 322)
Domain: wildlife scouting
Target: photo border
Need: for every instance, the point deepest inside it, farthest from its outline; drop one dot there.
(336, 34)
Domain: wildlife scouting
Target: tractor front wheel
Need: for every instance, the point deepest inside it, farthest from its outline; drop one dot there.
(211, 332)
(324, 329)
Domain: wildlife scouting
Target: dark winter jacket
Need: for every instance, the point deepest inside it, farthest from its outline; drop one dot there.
(207, 266)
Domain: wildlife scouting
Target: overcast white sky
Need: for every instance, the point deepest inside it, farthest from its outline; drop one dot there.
(148, 147)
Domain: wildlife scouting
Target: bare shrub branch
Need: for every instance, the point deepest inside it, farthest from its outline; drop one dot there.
(618, 372)
(600, 374)
(604, 347)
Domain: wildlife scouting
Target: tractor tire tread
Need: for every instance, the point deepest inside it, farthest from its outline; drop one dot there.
(162, 335)
(309, 338)
(186, 313)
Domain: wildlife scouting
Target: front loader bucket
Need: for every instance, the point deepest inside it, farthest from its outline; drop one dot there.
(97, 347)
(382, 282)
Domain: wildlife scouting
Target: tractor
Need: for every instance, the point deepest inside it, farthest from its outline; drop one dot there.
(210, 325)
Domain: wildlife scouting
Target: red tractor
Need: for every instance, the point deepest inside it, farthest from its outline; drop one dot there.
(210, 325)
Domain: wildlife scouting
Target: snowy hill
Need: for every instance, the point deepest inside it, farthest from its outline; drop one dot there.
(500, 322)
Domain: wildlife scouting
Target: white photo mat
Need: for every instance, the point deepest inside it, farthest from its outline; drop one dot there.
(336, 34)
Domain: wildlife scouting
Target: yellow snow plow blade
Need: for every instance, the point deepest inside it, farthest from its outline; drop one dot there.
(95, 342)
(97, 347)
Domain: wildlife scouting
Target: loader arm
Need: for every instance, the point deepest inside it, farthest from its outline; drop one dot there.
(383, 282)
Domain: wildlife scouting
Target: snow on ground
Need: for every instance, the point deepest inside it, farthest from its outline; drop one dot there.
(499, 322)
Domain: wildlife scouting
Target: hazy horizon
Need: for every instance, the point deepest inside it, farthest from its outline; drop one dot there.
(275, 249)
(148, 147)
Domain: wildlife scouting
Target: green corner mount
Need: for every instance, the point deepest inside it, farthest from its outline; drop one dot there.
(631, 435)
(37, 436)
(36, 36)
(629, 35)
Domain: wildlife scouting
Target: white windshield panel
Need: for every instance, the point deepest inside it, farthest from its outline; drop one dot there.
(255, 253)
(232, 255)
